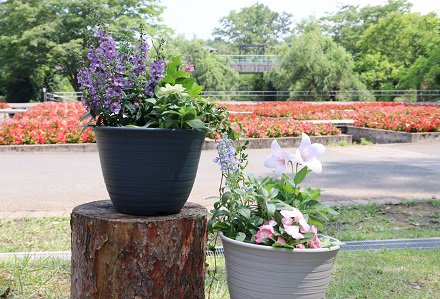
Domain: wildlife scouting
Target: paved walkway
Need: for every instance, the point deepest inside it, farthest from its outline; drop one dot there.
(43, 184)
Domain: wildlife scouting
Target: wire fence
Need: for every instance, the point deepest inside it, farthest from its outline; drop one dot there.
(390, 244)
(302, 95)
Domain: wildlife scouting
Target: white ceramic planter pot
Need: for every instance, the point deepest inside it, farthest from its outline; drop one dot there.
(263, 272)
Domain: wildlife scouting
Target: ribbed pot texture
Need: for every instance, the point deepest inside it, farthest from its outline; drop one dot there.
(148, 171)
(263, 272)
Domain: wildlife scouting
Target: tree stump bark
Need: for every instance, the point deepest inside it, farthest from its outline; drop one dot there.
(122, 256)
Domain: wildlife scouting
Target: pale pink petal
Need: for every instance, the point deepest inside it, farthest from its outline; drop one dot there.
(305, 227)
(312, 151)
(298, 157)
(288, 156)
(305, 142)
(314, 165)
(314, 229)
(287, 221)
(272, 162)
(272, 223)
(300, 246)
(267, 227)
(281, 240)
(265, 233)
(293, 231)
(315, 243)
(295, 213)
(279, 170)
(276, 148)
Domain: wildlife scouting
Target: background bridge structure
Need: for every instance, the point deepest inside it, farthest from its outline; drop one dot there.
(251, 64)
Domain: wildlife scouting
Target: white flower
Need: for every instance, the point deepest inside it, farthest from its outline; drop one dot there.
(278, 159)
(169, 89)
(307, 154)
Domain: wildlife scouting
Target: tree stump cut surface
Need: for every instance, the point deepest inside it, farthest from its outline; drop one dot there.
(122, 256)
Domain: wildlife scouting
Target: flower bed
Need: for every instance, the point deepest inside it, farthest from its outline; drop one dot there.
(4, 105)
(58, 122)
(405, 119)
(46, 123)
(262, 127)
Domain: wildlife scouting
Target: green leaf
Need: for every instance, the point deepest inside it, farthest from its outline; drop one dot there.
(190, 114)
(300, 175)
(240, 237)
(195, 91)
(196, 124)
(271, 208)
(169, 79)
(188, 83)
(245, 212)
(151, 100)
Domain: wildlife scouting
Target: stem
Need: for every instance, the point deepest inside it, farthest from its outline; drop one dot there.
(215, 270)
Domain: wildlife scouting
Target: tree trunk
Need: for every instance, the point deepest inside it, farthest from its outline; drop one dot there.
(122, 256)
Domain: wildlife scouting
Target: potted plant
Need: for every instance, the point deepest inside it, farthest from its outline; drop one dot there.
(268, 226)
(150, 124)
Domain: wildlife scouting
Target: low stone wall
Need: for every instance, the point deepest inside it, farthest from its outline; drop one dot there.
(255, 143)
(73, 147)
(388, 136)
(261, 143)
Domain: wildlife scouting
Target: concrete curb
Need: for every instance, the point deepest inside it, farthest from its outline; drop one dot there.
(388, 136)
(209, 144)
(74, 147)
(265, 143)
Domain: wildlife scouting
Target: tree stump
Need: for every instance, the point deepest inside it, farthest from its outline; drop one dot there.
(122, 256)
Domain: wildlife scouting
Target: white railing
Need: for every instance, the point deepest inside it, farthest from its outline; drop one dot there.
(419, 95)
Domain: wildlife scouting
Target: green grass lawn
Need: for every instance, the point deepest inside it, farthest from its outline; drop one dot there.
(405, 220)
(370, 274)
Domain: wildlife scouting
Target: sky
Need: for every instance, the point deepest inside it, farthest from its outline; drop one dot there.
(197, 18)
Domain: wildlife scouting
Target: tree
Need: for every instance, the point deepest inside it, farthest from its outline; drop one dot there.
(316, 63)
(42, 38)
(424, 73)
(256, 25)
(210, 70)
(397, 42)
(348, 24)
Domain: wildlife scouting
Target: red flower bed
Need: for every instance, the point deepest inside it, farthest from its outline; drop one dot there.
(268, 127)
(58, 122)
(407, 118)
(45, 124)
(4, 105)
(389, 116)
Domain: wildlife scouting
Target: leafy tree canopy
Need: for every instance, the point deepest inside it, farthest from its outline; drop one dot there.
(256, 25)
(315, 62)
(347, 25)
(43, 38)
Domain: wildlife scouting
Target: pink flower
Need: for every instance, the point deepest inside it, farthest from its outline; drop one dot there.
(278, 159)
(265, 233)
(307, 154)
(300, 246)
(293, 231)
(189, 68)
(314, 243)
(287, 221)
(305, 227)
(272, 223)
(297, 216)
(281, 240)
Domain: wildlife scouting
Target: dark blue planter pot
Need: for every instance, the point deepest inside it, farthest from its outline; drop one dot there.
(149, 171)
